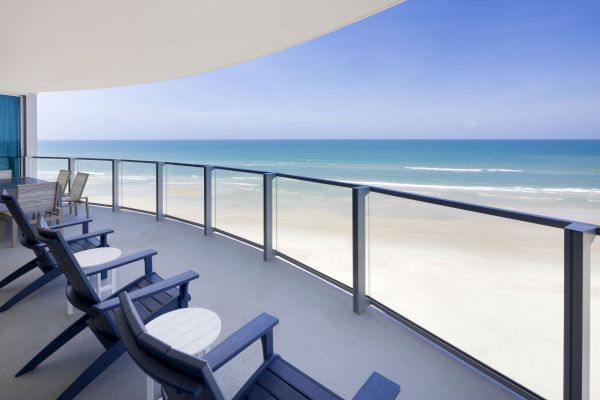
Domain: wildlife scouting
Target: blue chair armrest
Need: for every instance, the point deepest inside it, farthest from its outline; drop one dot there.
(102, 232)
(78, 221)
(260, 327)
(378, 387)
(145, 255)
(150, 290)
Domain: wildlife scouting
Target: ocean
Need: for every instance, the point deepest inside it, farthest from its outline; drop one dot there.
(560, 177)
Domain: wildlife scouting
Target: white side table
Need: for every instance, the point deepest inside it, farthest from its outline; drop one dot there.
(93, 257)
(189, 330)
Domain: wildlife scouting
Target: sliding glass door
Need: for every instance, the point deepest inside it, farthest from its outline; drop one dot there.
(10, 134)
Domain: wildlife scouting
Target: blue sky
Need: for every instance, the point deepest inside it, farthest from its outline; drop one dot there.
(422, 69)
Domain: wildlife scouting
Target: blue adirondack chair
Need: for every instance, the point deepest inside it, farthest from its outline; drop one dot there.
(152, 294)
(185, 377)
(43, 258)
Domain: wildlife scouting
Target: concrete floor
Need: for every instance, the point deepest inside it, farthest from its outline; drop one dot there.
(318, 332)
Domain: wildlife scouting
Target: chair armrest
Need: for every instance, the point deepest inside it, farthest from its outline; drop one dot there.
(150, 290)
(260, 327)
(101, 232)
(145, 255)
(378, 387)
(83, 221)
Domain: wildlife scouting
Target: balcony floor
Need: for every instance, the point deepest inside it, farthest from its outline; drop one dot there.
(318, 332)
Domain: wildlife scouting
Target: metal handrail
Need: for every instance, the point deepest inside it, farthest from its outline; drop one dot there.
(577, 244)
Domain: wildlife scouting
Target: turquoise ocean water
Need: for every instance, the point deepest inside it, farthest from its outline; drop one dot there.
(555, 174)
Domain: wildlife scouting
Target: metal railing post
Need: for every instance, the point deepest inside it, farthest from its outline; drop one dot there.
(359, 255)
(268, 251)
(116, 177)
(72, 167)
(578, 241)
(208, 174)
(160, 171)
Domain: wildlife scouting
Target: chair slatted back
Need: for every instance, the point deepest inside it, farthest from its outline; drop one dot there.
(79, 290)
(37, 198)
(63, 179)
(5, 174)
(28, 232)
(78, 185)
(182, 376)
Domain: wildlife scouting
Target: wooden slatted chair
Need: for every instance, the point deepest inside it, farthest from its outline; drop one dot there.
(152, 294)
(185, 377)
(44, 260)
(75, 195)
(63, 180)
(35, 199)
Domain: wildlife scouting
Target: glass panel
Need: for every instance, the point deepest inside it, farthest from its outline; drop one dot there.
(595, 321)
(314, 226)
(98, 188)
(184, 193)
(138, 186)
(490, 286)
(47, 169)
(10, 134)
(238, 204)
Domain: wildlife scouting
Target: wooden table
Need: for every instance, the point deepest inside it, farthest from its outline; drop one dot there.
(189, 330)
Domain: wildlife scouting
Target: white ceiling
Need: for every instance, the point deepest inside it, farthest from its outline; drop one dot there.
(82, 44)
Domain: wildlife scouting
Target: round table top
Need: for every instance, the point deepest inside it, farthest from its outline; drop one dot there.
(100, 255)
(189, 330)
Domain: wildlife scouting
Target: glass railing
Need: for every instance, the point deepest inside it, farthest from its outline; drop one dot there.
(503, 291)
(138, 185)
(98, 188)
(313, 226)
(491, 286)
(184, 193)
(238, 204)
(48, 168)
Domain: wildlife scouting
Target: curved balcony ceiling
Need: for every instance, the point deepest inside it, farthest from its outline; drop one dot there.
(69, 45)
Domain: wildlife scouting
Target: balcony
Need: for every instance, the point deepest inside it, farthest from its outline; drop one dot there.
(443, 325)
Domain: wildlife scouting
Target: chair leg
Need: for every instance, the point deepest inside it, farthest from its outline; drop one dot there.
(21, 271)
(14, 233)
(32, 287)
(87, 208)
(109, 356)
(55, 344)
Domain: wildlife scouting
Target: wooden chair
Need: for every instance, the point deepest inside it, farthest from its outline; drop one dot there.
(63, 180)
(35, 199)
(75, 195)
(185, 377)
(43, 258)
(153, 295)
(5, 174)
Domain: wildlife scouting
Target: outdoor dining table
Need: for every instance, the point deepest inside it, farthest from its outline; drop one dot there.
(10, 185)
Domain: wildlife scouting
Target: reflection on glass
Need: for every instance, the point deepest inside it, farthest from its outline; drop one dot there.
(99, 184)
(490, 286)
(314, 226)
(138, 186)
(184, 193)
(237, 204)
